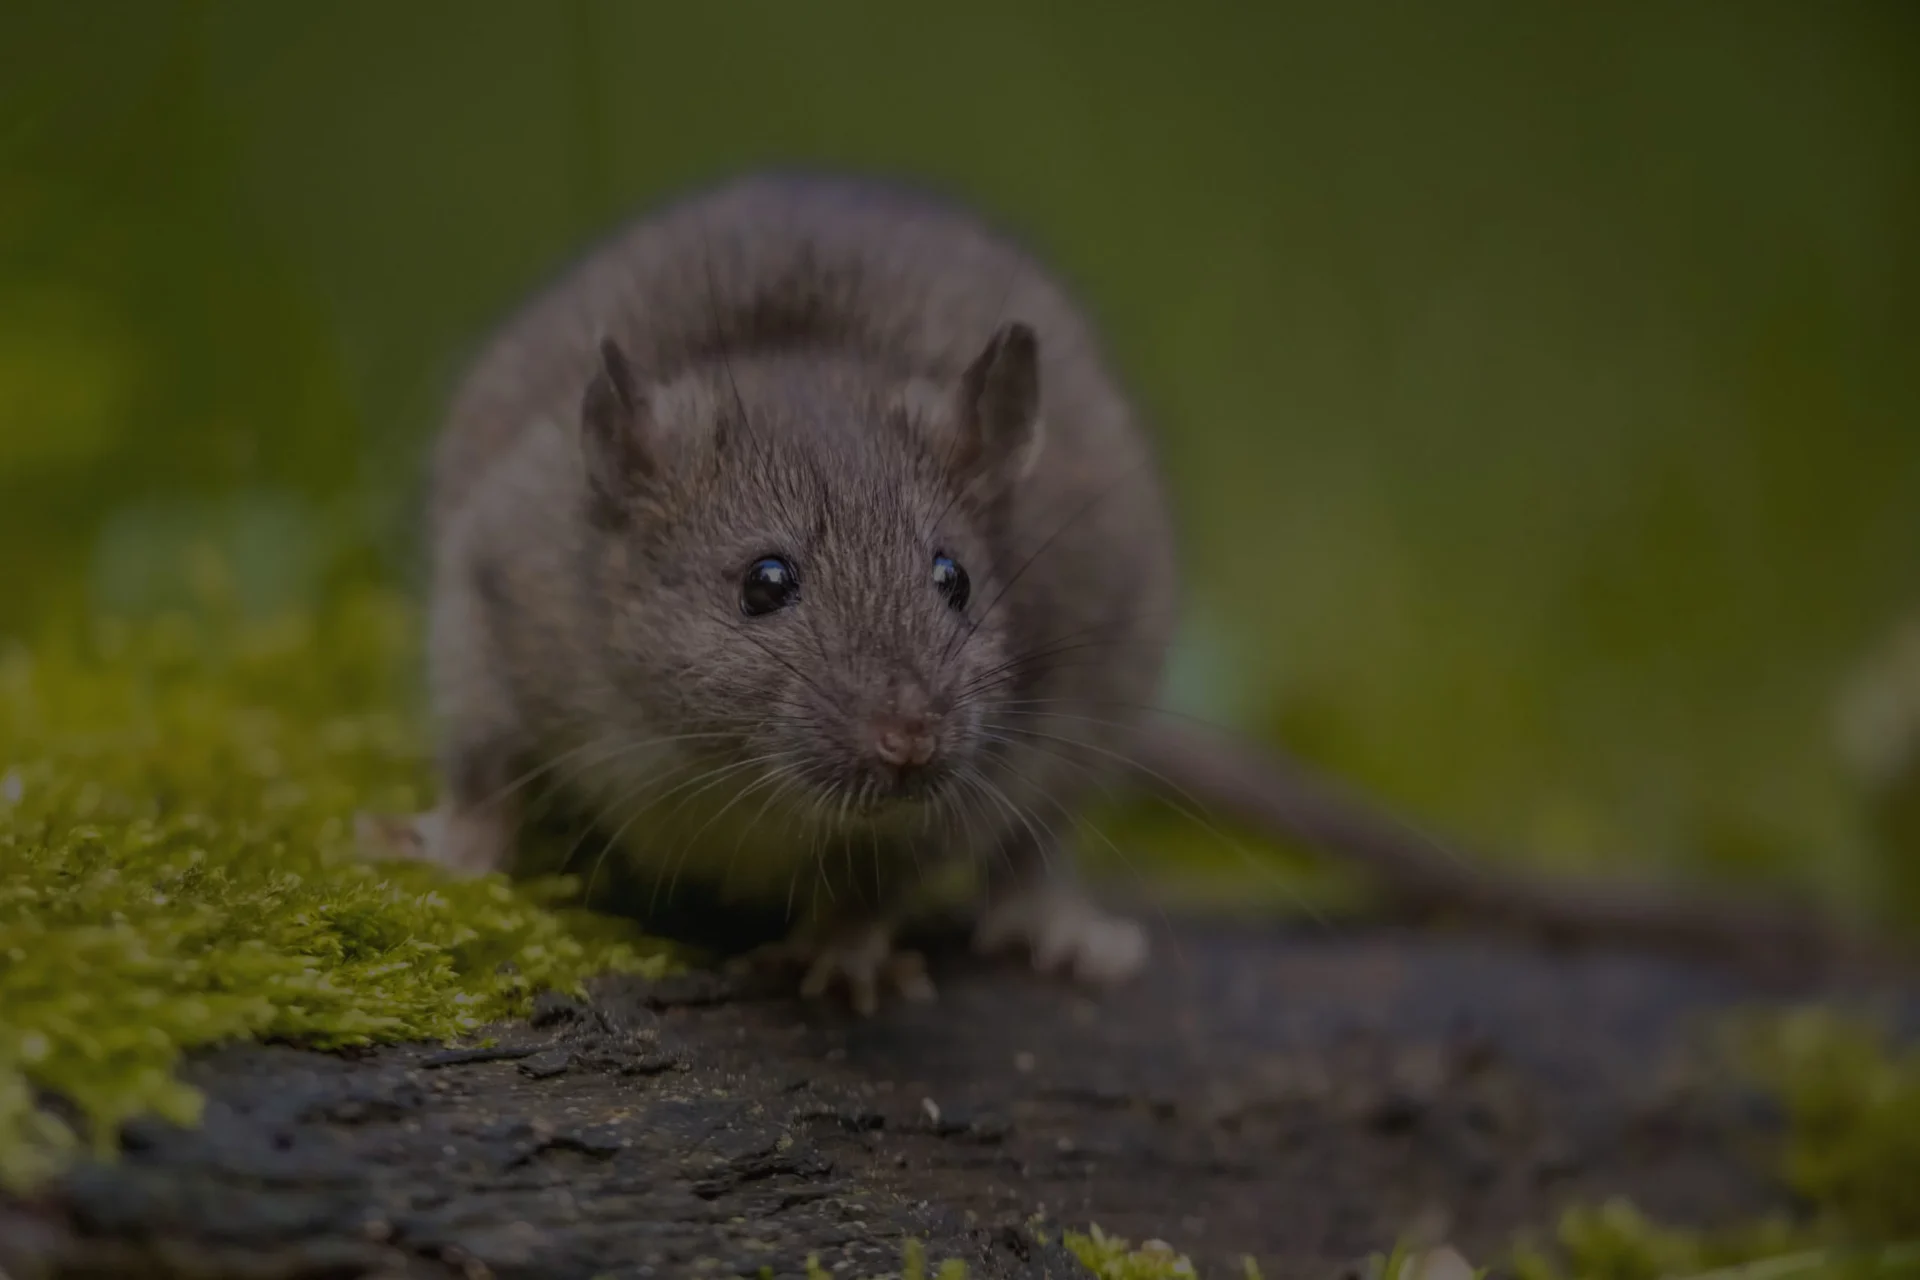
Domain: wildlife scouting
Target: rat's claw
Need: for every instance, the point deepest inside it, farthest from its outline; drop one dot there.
(1064, 931)
(862, 979)
(862, 961)
(907, 971)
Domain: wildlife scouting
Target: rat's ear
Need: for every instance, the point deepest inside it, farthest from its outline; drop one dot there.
(614, 425)
(999, 407)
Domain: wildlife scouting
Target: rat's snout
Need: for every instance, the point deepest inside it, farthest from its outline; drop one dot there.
(903, 741)
(905, 734)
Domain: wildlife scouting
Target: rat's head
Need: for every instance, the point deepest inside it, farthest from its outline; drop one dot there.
(796, 558)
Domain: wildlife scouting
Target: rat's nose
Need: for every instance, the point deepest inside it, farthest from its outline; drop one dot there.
(903, 741)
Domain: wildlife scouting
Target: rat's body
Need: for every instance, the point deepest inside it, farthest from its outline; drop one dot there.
(971, 583)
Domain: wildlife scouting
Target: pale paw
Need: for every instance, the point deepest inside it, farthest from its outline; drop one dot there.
(1064, 932)
(462, 843)
(865, 972)
(862, 961)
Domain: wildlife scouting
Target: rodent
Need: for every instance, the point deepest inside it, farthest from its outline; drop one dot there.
(802, 532)
(802, 529)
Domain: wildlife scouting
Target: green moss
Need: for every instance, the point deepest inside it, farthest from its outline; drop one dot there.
(1614, 1241)
(914, 1265)
(1111, 1258)
(176, 803)
(1852, 1154)
(1854, 1100)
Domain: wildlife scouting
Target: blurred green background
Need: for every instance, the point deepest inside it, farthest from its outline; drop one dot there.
(1541, 383)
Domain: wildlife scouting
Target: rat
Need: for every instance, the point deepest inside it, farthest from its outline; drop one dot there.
(804, 535)
(802, 532)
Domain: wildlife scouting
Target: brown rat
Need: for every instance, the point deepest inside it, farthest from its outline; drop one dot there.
(802, 532)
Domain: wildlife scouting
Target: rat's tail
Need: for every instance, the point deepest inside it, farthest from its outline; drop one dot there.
(1418, 875)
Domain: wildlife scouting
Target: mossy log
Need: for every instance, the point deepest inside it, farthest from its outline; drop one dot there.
(1302, 1096)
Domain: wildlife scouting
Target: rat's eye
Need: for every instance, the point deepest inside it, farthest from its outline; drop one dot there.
(770, 584)
(951, 580)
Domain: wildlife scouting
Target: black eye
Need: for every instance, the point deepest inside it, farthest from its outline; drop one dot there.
(951, 579)
(770, 584)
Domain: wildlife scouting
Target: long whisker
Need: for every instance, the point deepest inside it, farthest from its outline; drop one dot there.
(791, 780)
(1434, 844)
(1077, 820)
(1079, 513)
(766, 778)
(711, 777)
(632, 795)
(1011, 669)
(608, 748)
(1117, 625)
(703, 785)
(747, 635)
(1191, 810)
(1016, 273)
(719, 329)
(1042, 836)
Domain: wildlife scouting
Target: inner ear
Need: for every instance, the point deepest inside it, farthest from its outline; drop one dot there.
(999, 405)
(616, 430)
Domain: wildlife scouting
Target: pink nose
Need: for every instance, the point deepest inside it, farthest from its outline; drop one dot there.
(903, 741)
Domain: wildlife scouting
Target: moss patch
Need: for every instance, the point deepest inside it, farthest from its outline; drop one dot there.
(1852, 1154)
(1854, 1100)
(1616, 1242)
(176, 803)
(1111, 1258)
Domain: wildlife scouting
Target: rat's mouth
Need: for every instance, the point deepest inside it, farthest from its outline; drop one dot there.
(875, 794)
(913, 790)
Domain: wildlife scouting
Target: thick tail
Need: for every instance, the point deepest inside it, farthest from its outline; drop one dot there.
(1419, 875)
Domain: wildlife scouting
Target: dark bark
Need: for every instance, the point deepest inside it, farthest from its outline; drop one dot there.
(1301, 1096)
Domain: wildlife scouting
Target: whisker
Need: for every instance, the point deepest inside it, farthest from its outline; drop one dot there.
(712, 777)
(1079, 513)
(1077, 820)
(747, 634)
(630, 795)
(1020, 813)
(1191, 810)
(1012, 668)
(687, 846)
(1430, 842)
(611, 747)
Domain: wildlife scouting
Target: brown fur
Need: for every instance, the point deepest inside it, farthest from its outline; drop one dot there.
(804, 367)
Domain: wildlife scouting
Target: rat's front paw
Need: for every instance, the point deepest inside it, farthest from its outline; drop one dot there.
(863, 962)
(1064, 931)
(861, 959)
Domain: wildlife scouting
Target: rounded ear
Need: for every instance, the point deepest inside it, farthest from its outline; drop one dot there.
(615, 437)
(998, 409)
